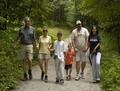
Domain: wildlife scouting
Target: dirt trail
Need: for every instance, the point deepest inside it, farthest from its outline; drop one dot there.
(37, 85)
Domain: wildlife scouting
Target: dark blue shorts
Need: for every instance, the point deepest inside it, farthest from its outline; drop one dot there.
(69, 66)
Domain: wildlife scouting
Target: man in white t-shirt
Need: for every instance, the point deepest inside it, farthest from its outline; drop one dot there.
(80, 39)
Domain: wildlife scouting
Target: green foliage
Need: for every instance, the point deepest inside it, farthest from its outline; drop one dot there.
(110, 68)
(2, 20)
(10, 68)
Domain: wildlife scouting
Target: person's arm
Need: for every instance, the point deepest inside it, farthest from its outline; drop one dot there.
(50, 44)
(86, 42)
(73, 41)
(39, 43)
(35, 40)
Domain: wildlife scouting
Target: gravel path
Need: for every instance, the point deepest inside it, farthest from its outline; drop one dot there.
(37, 85)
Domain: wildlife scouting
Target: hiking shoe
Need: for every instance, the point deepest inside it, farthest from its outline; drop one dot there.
(46, 78)
(77, 77)
(42, 75)
(82, 75)
(30, 74)
(57, 81)
(61, 81)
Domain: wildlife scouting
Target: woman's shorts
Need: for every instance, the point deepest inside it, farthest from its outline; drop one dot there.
(43, 56)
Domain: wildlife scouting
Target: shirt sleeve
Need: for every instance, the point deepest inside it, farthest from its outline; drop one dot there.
(87, 33)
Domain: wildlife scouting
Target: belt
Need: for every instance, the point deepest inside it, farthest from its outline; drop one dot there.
(27, 43)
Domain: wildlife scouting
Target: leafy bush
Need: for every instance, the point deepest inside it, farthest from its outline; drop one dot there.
(110, 70)
(10, 69)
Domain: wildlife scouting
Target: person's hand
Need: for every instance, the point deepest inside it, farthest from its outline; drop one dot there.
(49, 48)
(94, 51)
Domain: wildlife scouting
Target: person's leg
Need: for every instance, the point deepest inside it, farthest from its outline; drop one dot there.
(29, 56)
(66, 69)
(98, 58)
(77, 67)
(46, 69)
(56, 61)
(70, 71)
(25, 69)
(93, 60)
(83, 65)
(41, 62)
(83, 57)
(77, 70)
(77, 58)
(61, 70)
(29, 70)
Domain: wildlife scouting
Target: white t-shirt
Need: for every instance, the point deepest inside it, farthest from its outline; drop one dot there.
(59, 47)
(79, 37)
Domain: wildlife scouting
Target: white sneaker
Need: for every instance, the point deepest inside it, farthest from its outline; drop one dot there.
(77, 77)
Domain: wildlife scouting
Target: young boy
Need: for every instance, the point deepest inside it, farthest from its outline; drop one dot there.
(69, 61)
(59, 48)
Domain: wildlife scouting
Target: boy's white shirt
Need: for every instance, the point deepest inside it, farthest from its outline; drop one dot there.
(59, 47)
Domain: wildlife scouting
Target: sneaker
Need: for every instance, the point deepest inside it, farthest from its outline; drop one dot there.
(46, 78)
(77, 77)
(82, 75)
(61, 81)
(57, 81)
(42, 75)
(30, 74)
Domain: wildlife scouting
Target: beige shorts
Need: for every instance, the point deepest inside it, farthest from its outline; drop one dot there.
(43, 56)
(81, 56)
(26, 52)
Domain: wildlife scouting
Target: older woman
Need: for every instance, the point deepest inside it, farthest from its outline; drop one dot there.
(44, 53)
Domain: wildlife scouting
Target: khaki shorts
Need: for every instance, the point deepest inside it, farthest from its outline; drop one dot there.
(43, 56)
(81, 56)
(26, 52)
